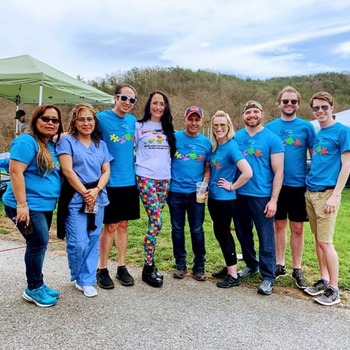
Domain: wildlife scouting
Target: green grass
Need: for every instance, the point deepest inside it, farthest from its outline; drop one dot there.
(165, 261)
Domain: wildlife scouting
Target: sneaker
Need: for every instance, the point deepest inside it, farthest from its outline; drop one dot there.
(247, 271)
(52, 292)
(124, 276)
(330, 297)
(103, 279)
(318, 288)
(300, 280)
(265, 287)
(89, 291)
(198, 274)
(39, 297)
(220, 274)
(280, 271)
(180, 272)
(228, 282)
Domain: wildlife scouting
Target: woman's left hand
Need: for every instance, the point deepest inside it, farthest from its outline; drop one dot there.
(223, 183)
(90, 196)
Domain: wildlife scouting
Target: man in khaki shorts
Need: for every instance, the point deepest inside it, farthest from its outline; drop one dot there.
(330, 168)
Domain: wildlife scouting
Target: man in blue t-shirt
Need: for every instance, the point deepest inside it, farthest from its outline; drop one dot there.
(189, 166)
(117, 127)
(330, 168)
(298, 136)
(257, 199)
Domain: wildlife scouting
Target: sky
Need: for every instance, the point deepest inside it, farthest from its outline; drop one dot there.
(257, 39)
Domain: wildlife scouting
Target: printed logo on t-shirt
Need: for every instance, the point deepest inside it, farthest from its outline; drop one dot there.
(121, 139)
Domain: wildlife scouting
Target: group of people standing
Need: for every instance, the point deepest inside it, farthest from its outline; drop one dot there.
(110, 160)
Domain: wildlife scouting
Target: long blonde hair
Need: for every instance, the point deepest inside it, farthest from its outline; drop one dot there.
(230, 132)
(44, 159)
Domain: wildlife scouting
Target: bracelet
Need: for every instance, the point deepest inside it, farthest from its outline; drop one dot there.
(99, 189)
(22, 206)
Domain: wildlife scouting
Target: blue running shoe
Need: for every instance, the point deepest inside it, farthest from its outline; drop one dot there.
(39, 297)
(52, 292)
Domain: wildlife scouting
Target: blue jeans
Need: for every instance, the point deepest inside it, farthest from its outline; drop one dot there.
(36, 244)
(180, 204)
(250, 210)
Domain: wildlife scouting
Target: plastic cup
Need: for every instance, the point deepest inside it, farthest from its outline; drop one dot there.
(201, 191)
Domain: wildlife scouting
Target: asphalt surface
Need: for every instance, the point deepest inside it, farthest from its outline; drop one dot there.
(183, 314)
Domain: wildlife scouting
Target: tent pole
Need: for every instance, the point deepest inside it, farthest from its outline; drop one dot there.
(40, 94)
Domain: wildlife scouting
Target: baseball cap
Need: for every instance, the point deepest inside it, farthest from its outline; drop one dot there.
(194, 110)
(20, 113)
(252, 104)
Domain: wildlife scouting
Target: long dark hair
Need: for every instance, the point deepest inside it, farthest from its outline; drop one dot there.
(166, 120)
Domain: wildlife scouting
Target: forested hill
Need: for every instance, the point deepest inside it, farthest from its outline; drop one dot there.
(213, 91)
(208, 90)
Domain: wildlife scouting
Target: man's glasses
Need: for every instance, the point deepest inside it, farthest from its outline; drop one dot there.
(293, 102)
(324, 108)
(219, 126)
(48, 119)
(125, 98)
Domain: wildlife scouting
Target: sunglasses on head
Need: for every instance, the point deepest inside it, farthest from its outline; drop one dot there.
(293, 102)
(324, 108)
(125, 98)
(48, 119)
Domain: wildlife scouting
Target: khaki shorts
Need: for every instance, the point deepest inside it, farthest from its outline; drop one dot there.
(322, 224)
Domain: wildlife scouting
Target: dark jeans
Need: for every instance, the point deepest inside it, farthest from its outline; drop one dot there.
(36, 244)
(221, 213)
(180, 204)
(250, 210)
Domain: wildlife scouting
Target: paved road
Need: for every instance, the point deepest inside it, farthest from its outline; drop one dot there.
(184, 314)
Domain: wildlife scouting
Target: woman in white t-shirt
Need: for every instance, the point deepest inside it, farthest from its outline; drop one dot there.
(155, 145)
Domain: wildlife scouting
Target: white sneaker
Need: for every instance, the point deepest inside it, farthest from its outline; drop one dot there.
(89, 291)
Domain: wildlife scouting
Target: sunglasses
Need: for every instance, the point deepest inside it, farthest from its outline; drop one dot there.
(125, 98)
(293, 102)
(324, 108)
(218, 126)
(48, 119)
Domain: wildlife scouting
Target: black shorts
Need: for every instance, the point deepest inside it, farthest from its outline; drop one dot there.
(124, 204)
(291, 204)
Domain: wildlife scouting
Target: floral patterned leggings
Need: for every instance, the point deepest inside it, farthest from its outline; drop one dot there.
(153, 194)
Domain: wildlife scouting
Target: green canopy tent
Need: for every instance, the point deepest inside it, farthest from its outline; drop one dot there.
(24, 79)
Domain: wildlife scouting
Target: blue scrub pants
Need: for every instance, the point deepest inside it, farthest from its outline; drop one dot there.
(83, 246)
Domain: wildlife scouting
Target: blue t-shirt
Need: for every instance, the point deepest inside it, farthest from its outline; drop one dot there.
(118, 133)
(188, 163)
(330, 144)
(87, 163)
(223, 165)
(257, 150)
(297, 136)
(42, 190)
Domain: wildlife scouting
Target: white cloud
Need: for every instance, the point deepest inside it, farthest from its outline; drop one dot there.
(257, 38)
(343, 49)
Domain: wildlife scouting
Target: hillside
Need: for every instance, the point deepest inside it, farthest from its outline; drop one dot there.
(211, 91)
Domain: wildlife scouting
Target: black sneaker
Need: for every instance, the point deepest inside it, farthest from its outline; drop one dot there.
(220, 274)
(280, 271)
(124, 276)
(228, 282)
(318, 288)
(198, 274)
(300, 280)
(180, 272)
(103, 279)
